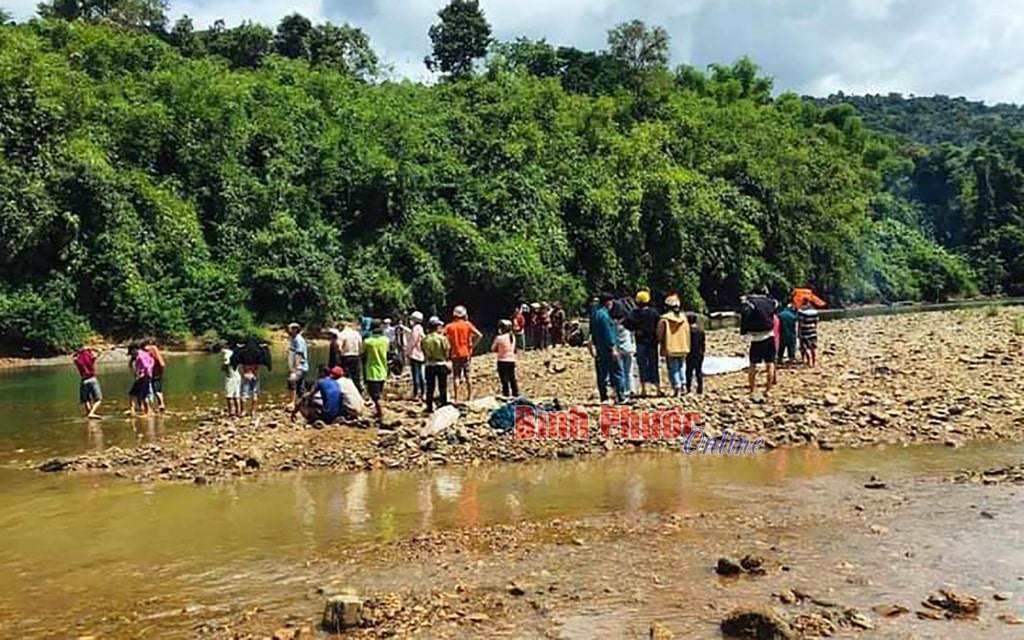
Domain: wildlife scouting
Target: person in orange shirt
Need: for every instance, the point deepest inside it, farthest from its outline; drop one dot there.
(805, 295)
(462, 336)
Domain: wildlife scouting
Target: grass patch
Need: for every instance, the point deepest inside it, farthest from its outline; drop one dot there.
(1018, 325)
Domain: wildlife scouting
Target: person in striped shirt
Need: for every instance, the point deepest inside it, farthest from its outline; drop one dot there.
(807, 328)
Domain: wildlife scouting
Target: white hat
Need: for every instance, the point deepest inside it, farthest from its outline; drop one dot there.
(416, 316)
(334, 332)
(435, 322)
(460, 312)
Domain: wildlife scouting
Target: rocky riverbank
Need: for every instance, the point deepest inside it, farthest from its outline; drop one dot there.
(944, 377)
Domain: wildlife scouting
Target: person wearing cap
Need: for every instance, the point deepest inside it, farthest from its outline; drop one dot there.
(323, 401)
(351, 398)
(333, 349)
(376, 351)
(298, 362)
(414, 352)
(350, 346)
(462, 336)
(505, 346)
(643, 321)
(604, 351)
(674, 338)
(435, 357)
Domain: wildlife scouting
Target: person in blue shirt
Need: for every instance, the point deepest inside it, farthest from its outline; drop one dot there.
(324, 402)
(298, 362)
(604, 350)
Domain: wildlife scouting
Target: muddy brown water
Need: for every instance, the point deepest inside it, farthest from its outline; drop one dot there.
(92, 556)
(82, 555)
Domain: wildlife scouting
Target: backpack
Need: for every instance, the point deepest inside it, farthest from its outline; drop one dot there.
(757, 315)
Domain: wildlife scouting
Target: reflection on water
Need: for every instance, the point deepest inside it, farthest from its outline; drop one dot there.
(72, 542)
(42, 417)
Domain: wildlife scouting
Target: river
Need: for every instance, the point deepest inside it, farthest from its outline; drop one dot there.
(90, 556)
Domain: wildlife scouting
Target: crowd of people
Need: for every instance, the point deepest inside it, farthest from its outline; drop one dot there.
(628, 339)
(146, 394)
(626, 332)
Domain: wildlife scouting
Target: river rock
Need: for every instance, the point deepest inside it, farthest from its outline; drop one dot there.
(53, 466)
(660, 632)
(342, 612)
(890, 610)
(758, 622)
(955, 605)
(728, 567)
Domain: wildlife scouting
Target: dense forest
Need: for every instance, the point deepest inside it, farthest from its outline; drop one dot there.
(161, 180)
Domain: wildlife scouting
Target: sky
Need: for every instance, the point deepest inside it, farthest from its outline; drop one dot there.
(969, 48)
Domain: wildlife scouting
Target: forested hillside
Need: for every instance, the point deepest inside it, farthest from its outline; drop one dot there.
(931, 120)
(164, 181)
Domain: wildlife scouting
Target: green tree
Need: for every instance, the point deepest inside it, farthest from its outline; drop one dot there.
(148, 14)
(642, 50)
(244, 46)
(344, 48)
(459, 39)
(183, 37)
(292, 37)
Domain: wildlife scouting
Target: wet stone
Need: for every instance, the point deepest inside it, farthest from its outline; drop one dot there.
(342, 612)
(758, 622)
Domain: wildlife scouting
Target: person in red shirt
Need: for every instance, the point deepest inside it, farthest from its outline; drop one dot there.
(89, 392)
(462, 336)
(158, 374)
(518, 326)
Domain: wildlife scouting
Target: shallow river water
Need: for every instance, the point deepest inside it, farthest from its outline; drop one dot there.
(84, 556)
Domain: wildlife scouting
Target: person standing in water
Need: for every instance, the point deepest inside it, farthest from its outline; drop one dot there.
(505, 346)
(674, 338)
(232, 381)
(90, 395)
(142, 388)
(159, 365)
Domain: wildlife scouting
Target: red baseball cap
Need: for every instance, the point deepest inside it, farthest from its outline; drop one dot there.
(337, 372)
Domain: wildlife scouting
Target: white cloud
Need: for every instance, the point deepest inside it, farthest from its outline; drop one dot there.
(957, 47)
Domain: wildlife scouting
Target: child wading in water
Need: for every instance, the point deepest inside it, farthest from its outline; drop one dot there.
(505, 346)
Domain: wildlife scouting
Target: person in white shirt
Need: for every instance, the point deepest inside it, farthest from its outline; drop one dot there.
(350, 344)
(414, 352)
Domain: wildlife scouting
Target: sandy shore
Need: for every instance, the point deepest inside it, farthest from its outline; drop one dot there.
(946, 377)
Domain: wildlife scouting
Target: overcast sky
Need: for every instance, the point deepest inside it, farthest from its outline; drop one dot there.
(973, 48)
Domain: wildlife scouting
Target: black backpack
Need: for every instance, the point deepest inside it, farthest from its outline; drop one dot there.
(757, 315)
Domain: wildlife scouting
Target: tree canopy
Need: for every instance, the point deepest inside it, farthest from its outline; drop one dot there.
(190, 181)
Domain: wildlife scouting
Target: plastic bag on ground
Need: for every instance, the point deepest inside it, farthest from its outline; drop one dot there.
(441, 420)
